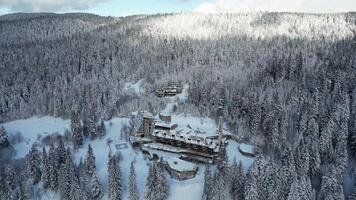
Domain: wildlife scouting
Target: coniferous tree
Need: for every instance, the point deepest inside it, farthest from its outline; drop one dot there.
(251, 189)
(114, 180)
(4, 141)
(53, 168)
(91, 123)
(61, 152)
(83, 178)
(161, 191)
(238, 181)
(76, 127)
(90, 161)
(208, 184)
(23, 189)
(133, 195)
(10, 177)
(77, 192)
(353, 194)
(300, 190)
(5, 191)
(288, 171)
(218, 189)
(46, 170)
(67, 177)
(150, 183)
(34, 164)
(101, 129)
(96, 188)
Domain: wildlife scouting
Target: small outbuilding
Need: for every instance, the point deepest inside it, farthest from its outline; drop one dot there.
(180, 169)
(248, 150)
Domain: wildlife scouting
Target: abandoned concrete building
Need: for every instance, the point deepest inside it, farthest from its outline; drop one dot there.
(160, 133)
(180, 169)
(171, 90)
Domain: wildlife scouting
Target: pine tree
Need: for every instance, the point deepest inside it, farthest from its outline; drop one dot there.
(67, 177)
(251, 188)
(33, 164)
(208, 184)
(161, 185)
(288, 171)
(23, 189)
(133, 195)
(53, 169)
(114, 181)
(83, 178)
(238, 181)
(272, 182)
(91, 123)
(77, 192)
(46, 182)
(77, 132)
(150, 183)
(10, 177)
(330, 185)
(96, 188)
(61, 152)
(4, 141)
(300, 189)
(90, 162)
(218, 189)
(101, 129)
(5, 191)
(302, 158)
(353, 194)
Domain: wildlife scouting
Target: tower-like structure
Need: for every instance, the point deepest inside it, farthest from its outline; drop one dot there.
(220, 130)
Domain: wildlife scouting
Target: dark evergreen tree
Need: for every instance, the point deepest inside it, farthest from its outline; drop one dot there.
(101, 129)
(150, 183)
(4, 141)
(133, 195)
(301, 189)
(61, 152)
(77, 192)
(208, 184)
(67, 177)
(34, 164)
(219, 187)
(237, 181)
(114, 180)
(46, 169)
(76, 127)
(90, 161)
(53, 168)
(353, 194)
(23, 189)
(161, 185)
(91, 122)
(10, 177)
(288, 171)
(96, 188)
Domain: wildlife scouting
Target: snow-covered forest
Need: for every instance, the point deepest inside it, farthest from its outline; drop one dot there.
(288, 82)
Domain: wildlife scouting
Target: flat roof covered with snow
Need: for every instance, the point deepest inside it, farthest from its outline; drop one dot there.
(181, 165)
(246, 148)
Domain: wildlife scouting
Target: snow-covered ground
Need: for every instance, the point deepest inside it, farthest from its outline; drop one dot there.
(35, 128)
(134, 87)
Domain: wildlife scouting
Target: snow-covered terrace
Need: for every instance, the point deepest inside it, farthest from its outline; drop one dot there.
(181, 165)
